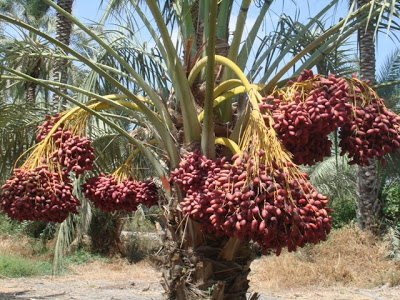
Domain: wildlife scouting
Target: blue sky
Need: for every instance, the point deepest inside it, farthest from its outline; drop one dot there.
(86, 9)
(89, 10)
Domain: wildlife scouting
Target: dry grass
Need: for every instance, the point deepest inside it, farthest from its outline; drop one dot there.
(350, 257)
(20, 245)
(115, 270)
(23, 246)
(8, 245)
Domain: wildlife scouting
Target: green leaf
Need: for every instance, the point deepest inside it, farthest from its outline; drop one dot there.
(179, 80)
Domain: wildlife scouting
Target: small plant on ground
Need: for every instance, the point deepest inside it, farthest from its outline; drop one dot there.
(391, 208)
(82, 256)
(15, 266)
(344, 212)
(140, 246)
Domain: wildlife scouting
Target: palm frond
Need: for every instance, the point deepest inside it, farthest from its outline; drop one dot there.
(335, 178)
(65, 235)
(23, 55)
(393, 239)
(34, 12)
(17, 133)
(388, 17)
(390, 71)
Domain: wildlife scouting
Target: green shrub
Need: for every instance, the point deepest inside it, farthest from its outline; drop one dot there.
(82, 256)
(8, 226)
(34, 229)
(391, 207)
(38, 229)
(14, 266)
(37, 232)
(344, 212)
(141, 239)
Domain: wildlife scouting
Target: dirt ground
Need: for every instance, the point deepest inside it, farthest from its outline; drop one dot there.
(351, 265)
(121, 281)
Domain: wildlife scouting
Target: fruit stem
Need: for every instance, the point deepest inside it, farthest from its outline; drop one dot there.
(229, 144)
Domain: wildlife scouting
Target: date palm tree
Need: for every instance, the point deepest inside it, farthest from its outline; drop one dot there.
(196, 264)
(63, 34)
(35, 13)
(369, 204)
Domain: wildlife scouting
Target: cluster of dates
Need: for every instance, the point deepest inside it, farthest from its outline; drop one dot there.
(73, 153)
(304, 122)
(109, 195)
(373, 131)
(45, 128)
(38, 195)
(272, 208)
(41, 193)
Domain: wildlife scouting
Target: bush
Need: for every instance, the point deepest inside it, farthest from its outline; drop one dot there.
(38, 229)
(141, 246)
(14, 266)
(8, 226)
(344, 212)
(34, 229)
(105, 231)
(391, 207)
(142, 220)
(81, 256)
(140, 239)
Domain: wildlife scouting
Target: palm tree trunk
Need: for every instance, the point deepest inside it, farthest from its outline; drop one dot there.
(203, 266)
(30, 86)
(63, 34)
(368, 205)
(30, 92)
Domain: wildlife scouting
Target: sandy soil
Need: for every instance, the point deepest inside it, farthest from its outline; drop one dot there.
(121, 281)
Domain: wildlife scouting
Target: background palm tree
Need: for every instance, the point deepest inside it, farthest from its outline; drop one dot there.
(20, 108)
(369, 204)
(33, 12)
(63, 34)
